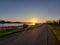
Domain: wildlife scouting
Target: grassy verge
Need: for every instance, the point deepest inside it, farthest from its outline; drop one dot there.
(6, 33)
(56, 31)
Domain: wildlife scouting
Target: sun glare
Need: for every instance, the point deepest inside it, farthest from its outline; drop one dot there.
(34, 21)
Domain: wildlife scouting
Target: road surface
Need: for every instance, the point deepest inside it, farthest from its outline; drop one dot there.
(37, 36)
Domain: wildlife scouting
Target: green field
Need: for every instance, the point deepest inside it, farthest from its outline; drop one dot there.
(56, 31)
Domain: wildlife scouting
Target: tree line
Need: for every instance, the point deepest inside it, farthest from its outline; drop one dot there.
(54, 22)
(3, 21)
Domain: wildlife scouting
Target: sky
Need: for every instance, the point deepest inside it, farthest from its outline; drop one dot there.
(26, 10)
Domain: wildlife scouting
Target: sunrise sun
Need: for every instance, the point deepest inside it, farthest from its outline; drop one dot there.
(34, 21)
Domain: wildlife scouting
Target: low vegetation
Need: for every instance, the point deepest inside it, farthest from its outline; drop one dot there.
(12, 31)
(55, 28)
(56, 31)
(3, 34)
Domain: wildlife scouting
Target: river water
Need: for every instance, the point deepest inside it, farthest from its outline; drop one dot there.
(10, 24)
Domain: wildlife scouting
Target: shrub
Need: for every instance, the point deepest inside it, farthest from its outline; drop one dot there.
(25, 25)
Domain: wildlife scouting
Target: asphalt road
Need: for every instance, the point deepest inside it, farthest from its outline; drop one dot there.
(37, 36)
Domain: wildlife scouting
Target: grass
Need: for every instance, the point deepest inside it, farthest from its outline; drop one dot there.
(6, 33)
(56, 31)
(9, 32)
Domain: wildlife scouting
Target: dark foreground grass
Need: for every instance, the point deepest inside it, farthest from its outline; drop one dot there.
(6, 33)
(3, 35)
(56, 31)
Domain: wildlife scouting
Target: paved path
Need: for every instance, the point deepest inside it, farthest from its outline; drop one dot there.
(37, 36)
